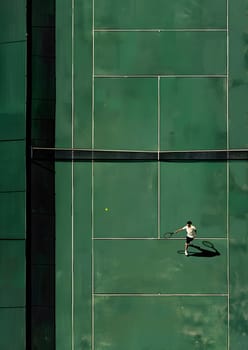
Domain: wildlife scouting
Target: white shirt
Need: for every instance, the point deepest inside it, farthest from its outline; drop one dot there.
(191, 231)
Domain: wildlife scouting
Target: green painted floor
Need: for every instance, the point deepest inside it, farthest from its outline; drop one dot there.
(158, 323)
(159, 266)
(163, 76)
(147, 293)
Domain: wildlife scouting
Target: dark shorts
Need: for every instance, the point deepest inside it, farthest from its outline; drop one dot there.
(188, 239)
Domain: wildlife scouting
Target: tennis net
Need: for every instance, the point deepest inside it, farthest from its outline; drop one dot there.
(87, 155)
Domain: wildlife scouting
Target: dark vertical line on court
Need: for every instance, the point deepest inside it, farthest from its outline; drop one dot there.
(228, 175)
(28, 171)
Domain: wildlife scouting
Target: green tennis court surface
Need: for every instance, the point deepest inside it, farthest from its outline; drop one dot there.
(159, 267)
(154, 76)
(160, 322)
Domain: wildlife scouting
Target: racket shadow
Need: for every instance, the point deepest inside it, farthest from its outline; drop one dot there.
(202, 252)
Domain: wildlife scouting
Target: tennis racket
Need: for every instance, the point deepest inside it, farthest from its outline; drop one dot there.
(167, 235)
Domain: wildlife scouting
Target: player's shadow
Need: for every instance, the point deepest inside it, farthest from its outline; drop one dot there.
(202, 252)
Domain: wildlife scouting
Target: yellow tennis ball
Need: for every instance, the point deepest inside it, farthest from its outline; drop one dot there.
(106, 209)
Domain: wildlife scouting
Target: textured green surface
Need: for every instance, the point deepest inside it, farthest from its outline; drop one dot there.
(192, 116)
(12, 329)
(12, 272)
(78, 235)
(13, 21)
(82, 253)
(160, 14)
(63, 257)
(160, 53)
(12, 166)
(74, 106)
(238, 199)
(196, 192)
(121, 120)
(238, 87)
(63, 74)
(238, 175)
(12, 215)
(12, 173)
(160, 323)
(238, 253)
(12, 90)
(238, 300)
(159, 267)
(193, 113)
(83, 59)
(129, 192)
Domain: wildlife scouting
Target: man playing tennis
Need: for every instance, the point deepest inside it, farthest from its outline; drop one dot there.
(191, 233)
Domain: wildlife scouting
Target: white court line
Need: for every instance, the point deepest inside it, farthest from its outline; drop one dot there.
(161, 30)
(228, 174)
(90, 149)
(161, 75)
(159, 201)
(156, 239)
(125, 238)
(138, 151)
(160, 295)
(92, 182)
(72, 173)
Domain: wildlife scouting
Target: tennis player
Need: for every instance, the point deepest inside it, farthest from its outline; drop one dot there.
(191, 233)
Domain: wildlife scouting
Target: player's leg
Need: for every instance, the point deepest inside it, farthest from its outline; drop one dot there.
(186, 246)
(187, 243)
(186, 249)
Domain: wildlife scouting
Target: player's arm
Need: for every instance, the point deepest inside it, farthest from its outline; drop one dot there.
(179, 229)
